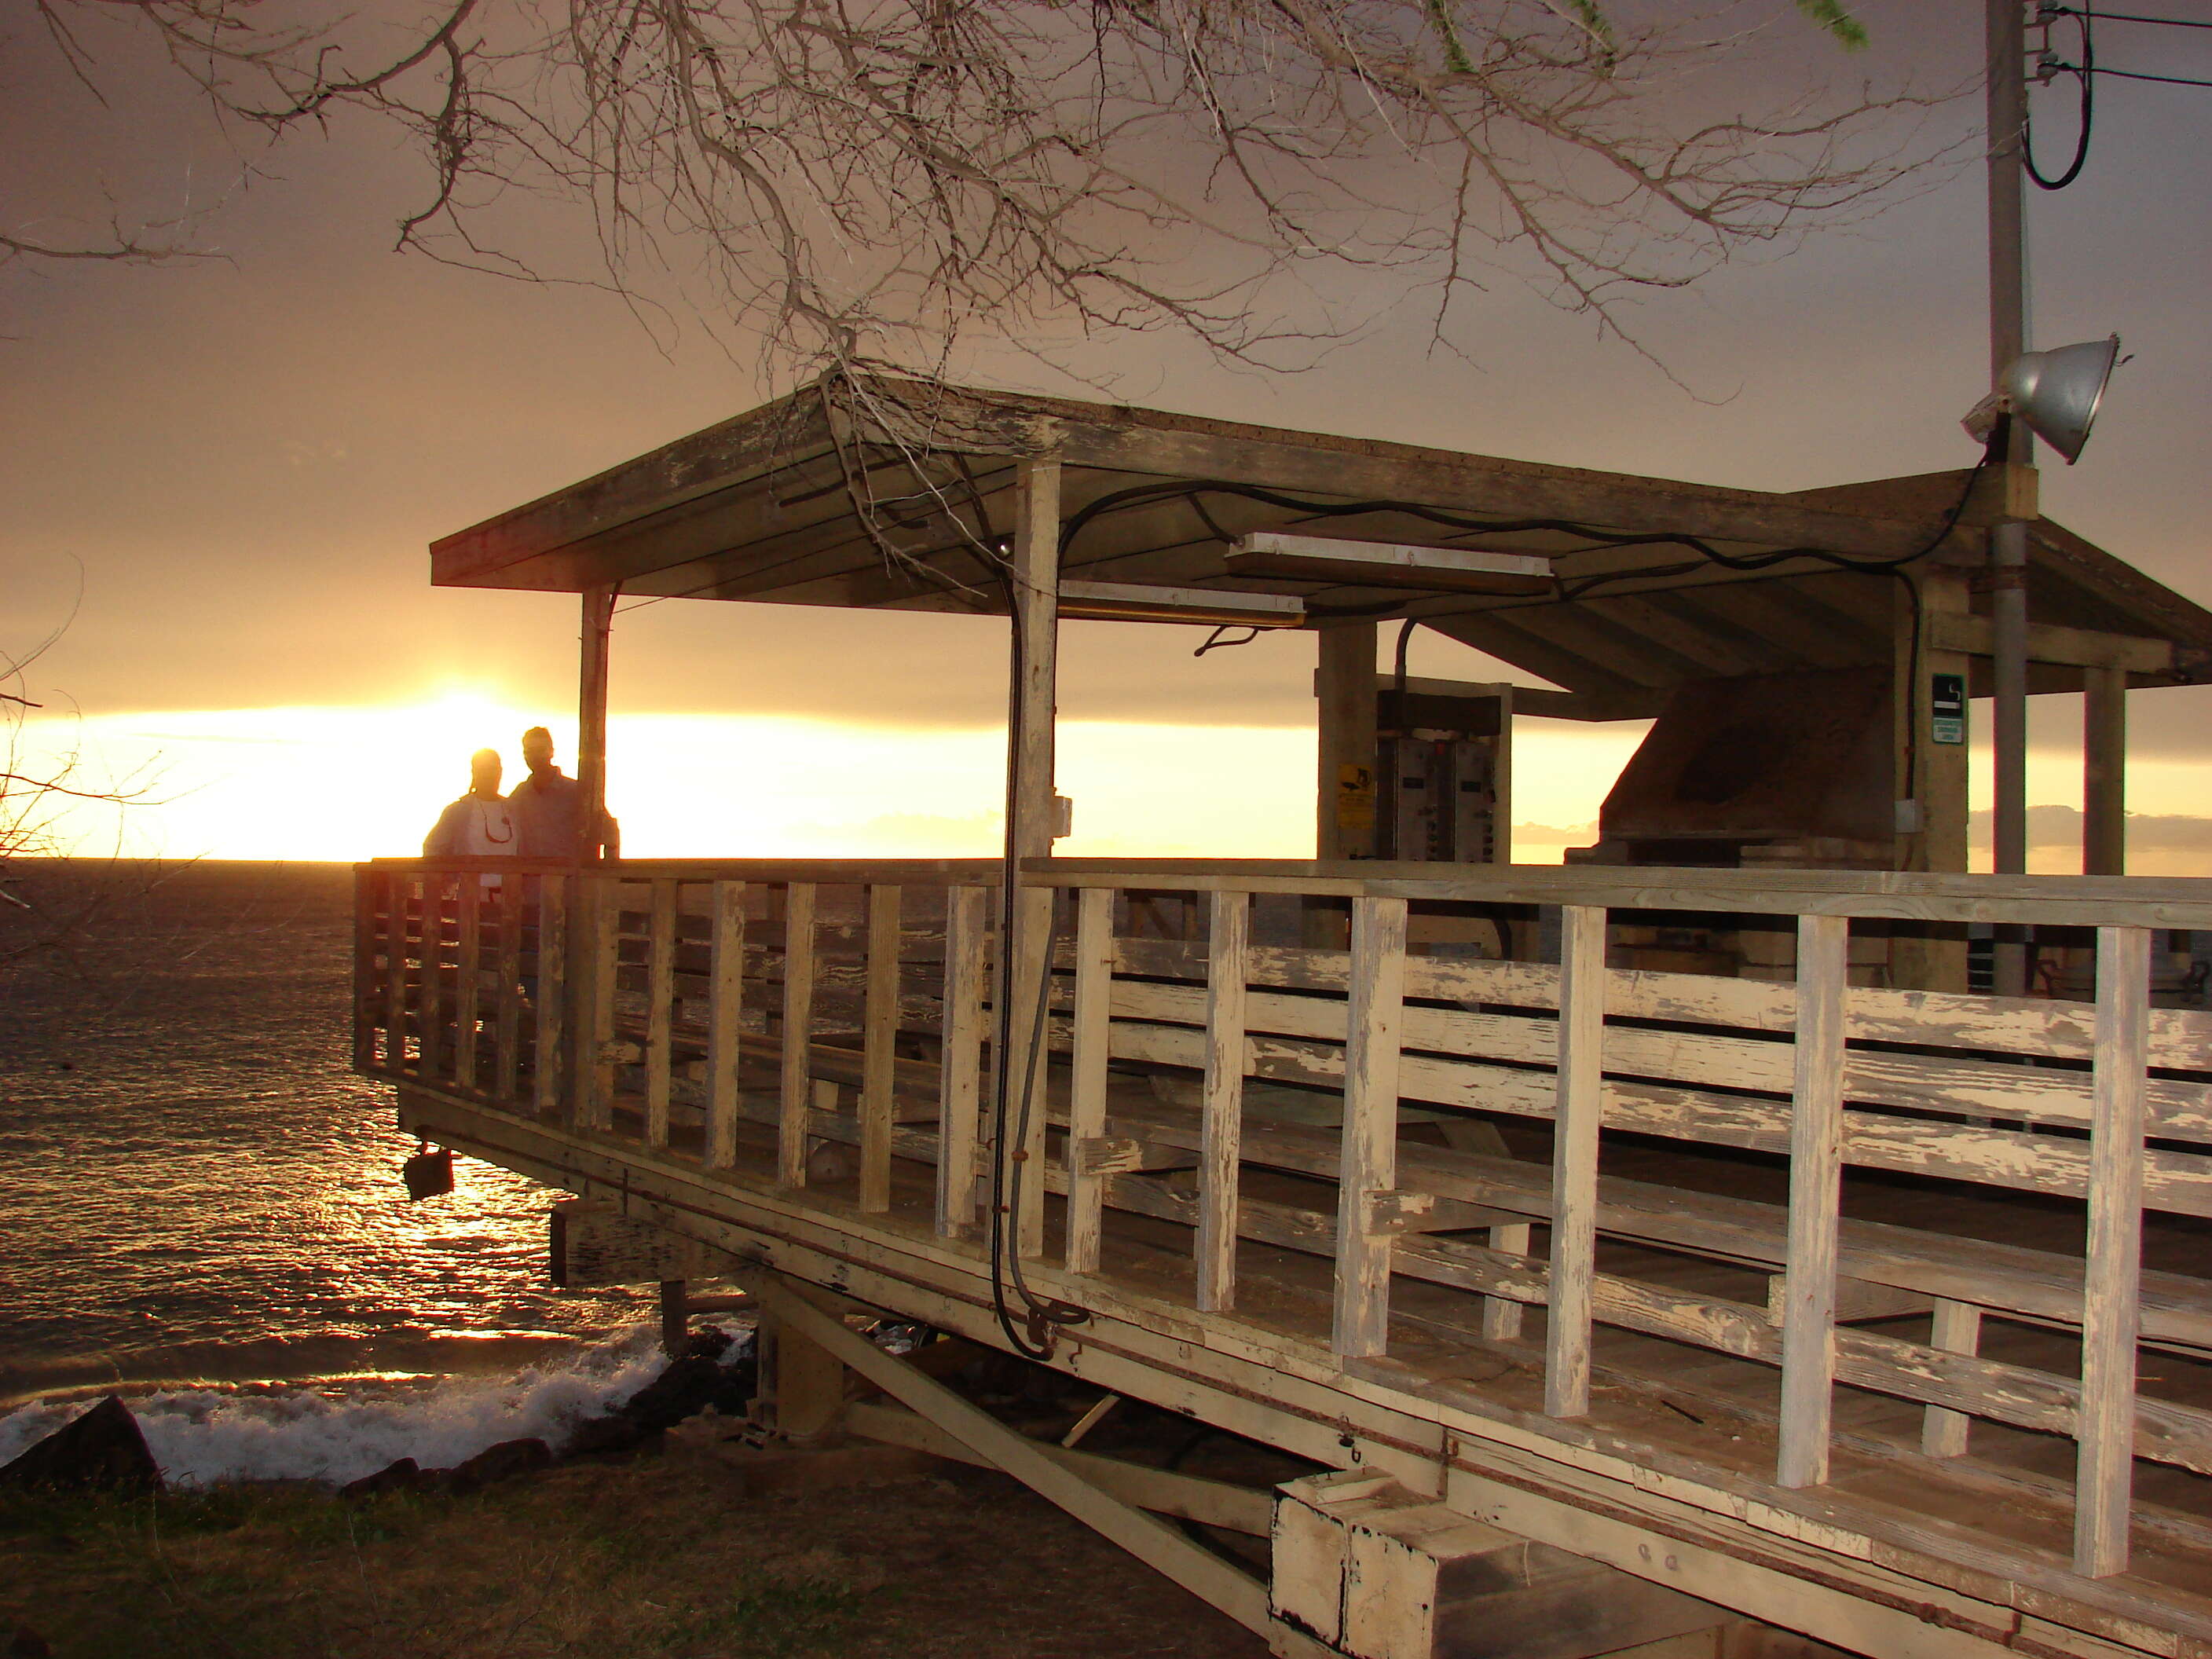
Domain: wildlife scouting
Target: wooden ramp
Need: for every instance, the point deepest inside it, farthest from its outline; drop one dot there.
(1876, 1316)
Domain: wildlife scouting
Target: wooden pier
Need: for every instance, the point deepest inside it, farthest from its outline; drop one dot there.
(1638, 1246)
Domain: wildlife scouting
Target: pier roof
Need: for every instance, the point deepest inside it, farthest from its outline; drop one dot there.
(891, 494)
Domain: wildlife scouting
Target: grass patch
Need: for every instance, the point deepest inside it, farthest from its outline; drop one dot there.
(571, 1563)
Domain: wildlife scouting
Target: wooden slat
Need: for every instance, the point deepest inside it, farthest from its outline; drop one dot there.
(1091, 1041)
(1360, 1321)
(660, 1009)
(552, 996)
(1816, 1139)
(2104, 1469)
(959, 1098)
(1579, 1102)
(1955, 1329)
(507, 1011)
(724, 1023)
(469, 895)
(1222, 1101)
(879, 1040)
(798, 1032)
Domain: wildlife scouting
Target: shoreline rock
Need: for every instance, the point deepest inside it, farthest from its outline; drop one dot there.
(101, 1449)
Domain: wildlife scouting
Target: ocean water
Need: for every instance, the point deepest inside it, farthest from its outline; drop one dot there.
(200, 1205)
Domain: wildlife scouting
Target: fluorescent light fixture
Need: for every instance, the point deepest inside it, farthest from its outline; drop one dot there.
(1388, 564)
(1125, 602)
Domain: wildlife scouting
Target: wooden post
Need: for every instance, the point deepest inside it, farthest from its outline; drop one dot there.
(1956, 1328)
(1343, 685)
(1931, 960)
(1501, 1315)
(595, 1078)
(1361, 1324)
(469, 894)
(959, 1097)
(1576, 1120)
(1086, 1098)
(1029, 755)
(592, 721)
(675, 1316)
(724, 1023)
(1222, 1109)
(793, 1102)
(879, 1041)
(2104, 771)
(2111, 1310)
(660, 1009)
(507, 1018)
(553, 1099)
(1816, 1162)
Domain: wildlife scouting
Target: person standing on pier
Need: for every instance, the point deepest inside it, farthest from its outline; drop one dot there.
(478, 825)
(547, 804)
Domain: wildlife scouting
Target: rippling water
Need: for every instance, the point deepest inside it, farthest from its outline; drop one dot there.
(193, 1186)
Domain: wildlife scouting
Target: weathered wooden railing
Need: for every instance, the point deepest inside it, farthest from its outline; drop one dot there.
(1259, 1090)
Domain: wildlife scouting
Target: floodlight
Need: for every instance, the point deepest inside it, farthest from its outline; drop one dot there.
(2056, 393)
(1128, 602)
(1388, 564)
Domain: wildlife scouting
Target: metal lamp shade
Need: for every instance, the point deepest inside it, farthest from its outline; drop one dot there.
(2057, 393)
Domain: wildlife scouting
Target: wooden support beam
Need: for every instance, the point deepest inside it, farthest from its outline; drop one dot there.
(2104, 772)
(1222, 1101)
(1360, 1326)
(1501, 1317)
(1816, 1162)
(660, 1007)
(879, 1047)
(2112, 1312)
(596, 1077)
(1932, 774)
(797, 1033)
(1031, 759)
(1345, 798)
(1956, 1328)
(1580, 1101)
(2072, 647)
(959, 1097)
(724, 1023)
(598, 606)
(1190, 1564)
(1086, 1100)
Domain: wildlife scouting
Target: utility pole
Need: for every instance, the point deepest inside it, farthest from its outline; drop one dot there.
(2007, 122)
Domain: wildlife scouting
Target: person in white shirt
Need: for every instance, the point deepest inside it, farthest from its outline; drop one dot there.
(478, 825)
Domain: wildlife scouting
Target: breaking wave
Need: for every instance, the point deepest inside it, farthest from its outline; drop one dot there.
(338, 1431)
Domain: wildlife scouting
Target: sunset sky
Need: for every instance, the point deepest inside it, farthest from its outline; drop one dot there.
(223, 477)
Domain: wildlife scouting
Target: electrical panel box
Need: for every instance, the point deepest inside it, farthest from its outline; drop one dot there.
(1443, 798)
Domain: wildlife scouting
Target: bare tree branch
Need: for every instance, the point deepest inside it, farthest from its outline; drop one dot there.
(854, 185)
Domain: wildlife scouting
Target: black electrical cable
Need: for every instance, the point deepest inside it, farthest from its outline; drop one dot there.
(2138, 74)
(2127, 17)
(1007, 1160)
(2083, 74)
(1405, 638)
(1215, 643)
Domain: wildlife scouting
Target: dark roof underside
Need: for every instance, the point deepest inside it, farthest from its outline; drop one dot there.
(888, 495)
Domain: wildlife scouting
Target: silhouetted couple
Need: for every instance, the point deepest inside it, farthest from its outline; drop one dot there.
(540, 820)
